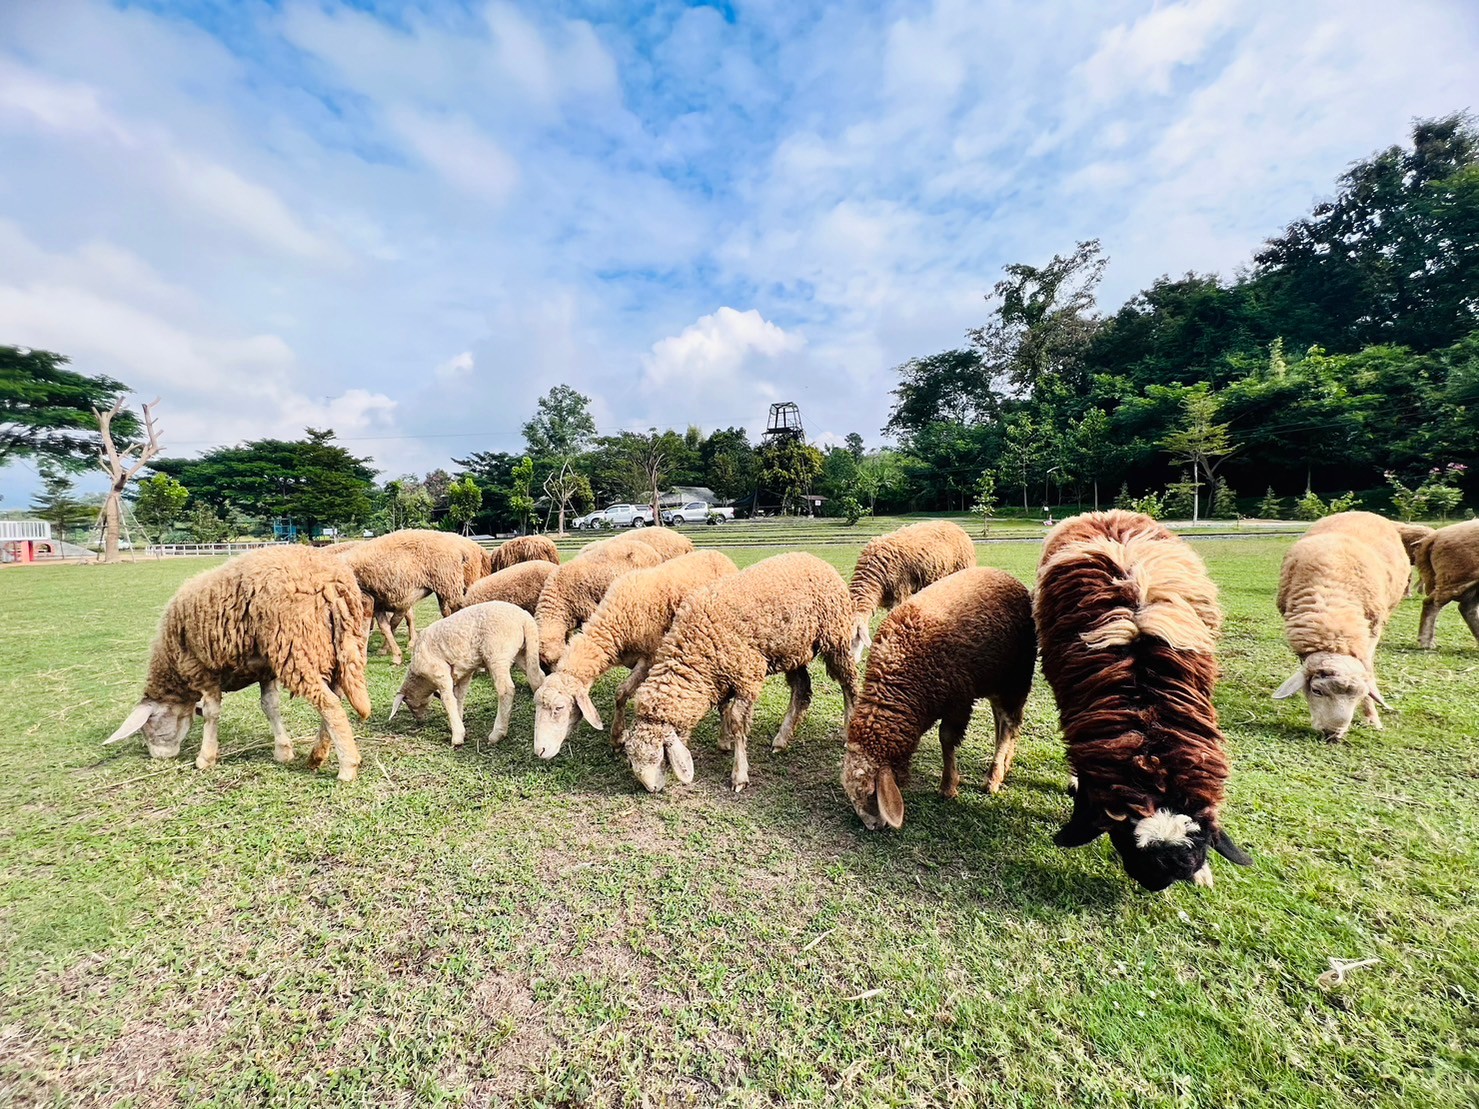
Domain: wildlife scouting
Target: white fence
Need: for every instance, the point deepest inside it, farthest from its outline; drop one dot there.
(194, 550)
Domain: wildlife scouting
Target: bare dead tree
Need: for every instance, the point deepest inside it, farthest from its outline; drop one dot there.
(121, 468)
(654, 465)
(563, 486)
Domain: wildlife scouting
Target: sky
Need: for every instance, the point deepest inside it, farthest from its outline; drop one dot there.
(408, 221)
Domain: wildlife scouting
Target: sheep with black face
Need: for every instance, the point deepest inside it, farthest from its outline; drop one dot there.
(1127, 622)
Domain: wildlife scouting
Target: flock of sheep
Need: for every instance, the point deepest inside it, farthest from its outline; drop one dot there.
(1124, 616)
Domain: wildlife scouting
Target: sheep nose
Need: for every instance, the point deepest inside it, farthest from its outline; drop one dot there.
(654, 778)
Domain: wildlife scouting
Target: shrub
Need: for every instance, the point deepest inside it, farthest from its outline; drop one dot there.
(850, 508)
(1271, 507)
(1224, 501)
(1151, 505)
(1344, 503)
(1122, 498)
(985, 505)
(1178, 499)
(1310, 507)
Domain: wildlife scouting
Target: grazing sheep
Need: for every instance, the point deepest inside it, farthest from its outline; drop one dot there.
(488, 636)
(1412, 535)
(1127, 620)
(665, 541)
(399, 569)
(574, 590)
(519, 584)
(1448, 564)
(893, 567)
(966, 637)
(284, 614)
(1338, 587)
(773, 617)
(626, 629)
(526, 548)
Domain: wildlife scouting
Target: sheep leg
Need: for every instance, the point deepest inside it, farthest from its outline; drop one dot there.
(503, 682)
(387, 629)
(282, 743)
(952, 734)
(454, 707)
(210, 750)
(410, 629)
(1373, 718)
(624, 694)
(734, 721)
(334, 729)
(726, 741)
(460, 689)
(1468, 605)
(1427, 628)
(842, 668)
(800, 682)
(1008, 726)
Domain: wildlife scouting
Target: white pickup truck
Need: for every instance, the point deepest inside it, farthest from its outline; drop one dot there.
(696, 512)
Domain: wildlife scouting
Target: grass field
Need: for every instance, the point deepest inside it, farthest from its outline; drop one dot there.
(478, 927)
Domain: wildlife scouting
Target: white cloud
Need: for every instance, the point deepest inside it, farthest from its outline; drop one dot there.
(456, 149)
(718, 360)
(458, 366)
(1143, 54)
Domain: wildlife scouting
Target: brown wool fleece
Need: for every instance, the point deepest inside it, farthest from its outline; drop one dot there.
(399, 569)
(1448, 562)
(1127, 619)
(893, 567)
(1340, 583)
(519, 584)
(665, 541)
(573, 591)
(526, 548)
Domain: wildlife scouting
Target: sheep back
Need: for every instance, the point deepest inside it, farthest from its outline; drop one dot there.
(576, 587)
(519, 584)
(892, 567)
(399, 568)
(1448, 561)
(1340, 582)
(526, 548)
(665, 541)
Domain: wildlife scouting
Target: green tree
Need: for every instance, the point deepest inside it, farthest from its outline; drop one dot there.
(464, 499)
(1093, 453)
(1021, 452)
(521, 496)
(854, 444)
(407, 503)
(58, 504)
(986, 502)
(880, 474)
(47, 410)
(788, 469)
(158, 503)
(206, 525)
(1271, 507)
(954, 386)
(562, 424)
(1200, 442)
(567, 488)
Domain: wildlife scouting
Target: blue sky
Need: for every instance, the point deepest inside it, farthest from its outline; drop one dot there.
(408, 221)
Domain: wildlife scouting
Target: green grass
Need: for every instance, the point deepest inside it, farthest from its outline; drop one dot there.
(479, 927)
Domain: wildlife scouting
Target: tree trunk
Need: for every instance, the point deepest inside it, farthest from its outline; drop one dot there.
(1096, 493)
(562, 517)
(111, 512)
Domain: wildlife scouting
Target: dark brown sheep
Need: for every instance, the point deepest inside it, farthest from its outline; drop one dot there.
(967, 637)
(1127, 621)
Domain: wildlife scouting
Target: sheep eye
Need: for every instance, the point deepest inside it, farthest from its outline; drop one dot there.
(1318, 692)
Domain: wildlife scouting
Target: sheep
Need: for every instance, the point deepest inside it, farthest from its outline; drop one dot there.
(967, 636)
(399, 569)
(519, 584)
(892, 567)
(288, 615)
(626, 629)
(1448, 564)
(773, 617)
(665, 541)
(1339, 585)
(574, 590)
(1127, 621)
(488, 636)
(526, 548)
(1412, 535)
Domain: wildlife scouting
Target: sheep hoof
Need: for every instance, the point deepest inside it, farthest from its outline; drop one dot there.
(283, 754)
(348, 773)
(203, 763)
(739, 787)
(993, 786)
(315, 760)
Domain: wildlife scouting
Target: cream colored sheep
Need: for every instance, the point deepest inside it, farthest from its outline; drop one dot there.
(284, 614)
(399, 569)
(626, 629)
(1339, 585)
(574, 590)
(526, 548)
(893, 567)
(1448, 564)
(771, 618)
(449, 654)
(519, 584)
(665, 541)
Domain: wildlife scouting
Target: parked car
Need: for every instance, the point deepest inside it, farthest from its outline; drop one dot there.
(626, 515)
(589, 520)
(695, 512)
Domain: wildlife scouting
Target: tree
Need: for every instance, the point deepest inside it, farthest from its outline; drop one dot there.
(879, 475)
(955, 386)
(561, 426)
(1021, 452)
(566, 487)
(121, 468)
(854, 444)
(49, 412)
(437, 483)
(1271, 507)
(407, 503)
(788, 467)
(521, 499)
(985, 502)
(1200, 442)
(159, 502)
(728, 463)
(56, 503)
(206, 525)
(1093, 451)
(464, 498)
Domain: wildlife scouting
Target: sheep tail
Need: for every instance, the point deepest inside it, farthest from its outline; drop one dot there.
(351, 644)
(1422, 558)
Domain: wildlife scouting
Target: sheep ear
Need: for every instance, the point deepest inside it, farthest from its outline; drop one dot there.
(395, 706)
(1294, 685)
(135, 721)
(1081, 827)
(1230, 851)
(890, 800)
(681, 760)
(1375, 694)
(588, 710)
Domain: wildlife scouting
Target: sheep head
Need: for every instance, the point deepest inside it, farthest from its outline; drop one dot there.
(415, 693)
(873, 789)
(650, 744)
(1334, 686)
(165, 725)
(555, 703)
(1157, 849)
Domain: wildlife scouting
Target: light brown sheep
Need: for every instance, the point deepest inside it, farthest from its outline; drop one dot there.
(399, 569)
(449, 654)
(1412, 535)
(626, 629)
(526, 548)
(665, 541)
(1448, 564)
(893, 567)
(773, 617)
(1339, 585)
(969, 635)
(519, 584)
(574, 590)
(284, 614)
